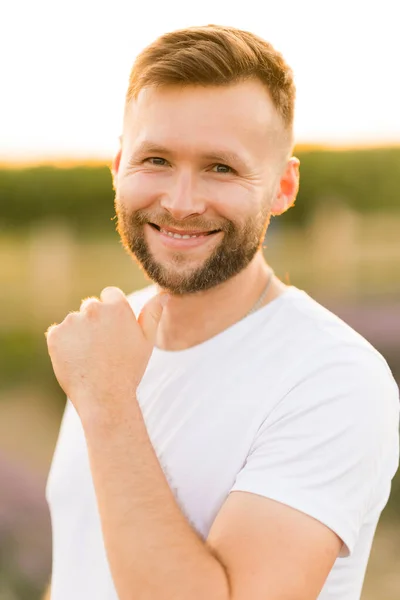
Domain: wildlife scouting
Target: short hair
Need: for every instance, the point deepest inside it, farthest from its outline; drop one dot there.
(215, 55)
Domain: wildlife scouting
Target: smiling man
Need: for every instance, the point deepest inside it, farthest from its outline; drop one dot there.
(238, 441)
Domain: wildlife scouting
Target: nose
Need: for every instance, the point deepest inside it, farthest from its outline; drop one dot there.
(183, 197)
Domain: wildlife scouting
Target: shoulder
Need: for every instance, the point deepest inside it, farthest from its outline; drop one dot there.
(330, 373)
(320, 339)
(308, 315)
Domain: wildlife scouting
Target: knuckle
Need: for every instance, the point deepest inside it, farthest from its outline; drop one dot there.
(68, 318)
(50, 333)
(90, 306)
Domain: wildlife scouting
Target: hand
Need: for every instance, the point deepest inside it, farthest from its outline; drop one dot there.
(99, 354)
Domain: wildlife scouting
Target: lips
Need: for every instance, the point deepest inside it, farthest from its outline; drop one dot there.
(187, 243)
(171, 230)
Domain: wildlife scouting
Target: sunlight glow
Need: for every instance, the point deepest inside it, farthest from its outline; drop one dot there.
(65, 67)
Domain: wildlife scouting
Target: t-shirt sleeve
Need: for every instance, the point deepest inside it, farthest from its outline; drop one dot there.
(330, 444)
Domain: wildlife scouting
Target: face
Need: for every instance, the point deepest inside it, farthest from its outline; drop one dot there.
(205, 162)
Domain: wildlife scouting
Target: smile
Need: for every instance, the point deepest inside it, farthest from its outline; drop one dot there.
(176, 240)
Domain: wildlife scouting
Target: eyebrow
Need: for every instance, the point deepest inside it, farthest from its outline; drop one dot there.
(221, 156)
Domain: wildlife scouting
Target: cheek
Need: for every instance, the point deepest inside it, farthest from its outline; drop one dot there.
(138, 190)
(233, 201)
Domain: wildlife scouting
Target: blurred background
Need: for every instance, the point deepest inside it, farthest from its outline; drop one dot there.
(63, 76)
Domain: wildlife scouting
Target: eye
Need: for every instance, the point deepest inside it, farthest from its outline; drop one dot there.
(156, 161)
(222, 168)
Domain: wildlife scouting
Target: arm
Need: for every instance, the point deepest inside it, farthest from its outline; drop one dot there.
(272, 551)
(99, 356)
(152, 550)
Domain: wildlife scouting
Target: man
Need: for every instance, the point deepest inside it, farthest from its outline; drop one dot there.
(225, 436)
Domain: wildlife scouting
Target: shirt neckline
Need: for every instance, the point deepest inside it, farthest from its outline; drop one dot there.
(229, 331)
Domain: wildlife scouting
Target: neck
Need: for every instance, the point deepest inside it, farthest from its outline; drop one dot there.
(193, 319)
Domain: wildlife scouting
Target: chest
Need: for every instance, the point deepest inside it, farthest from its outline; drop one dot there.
(202, 425)
(201, 422)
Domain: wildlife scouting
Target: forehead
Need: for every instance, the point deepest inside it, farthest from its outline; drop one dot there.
(240, 117)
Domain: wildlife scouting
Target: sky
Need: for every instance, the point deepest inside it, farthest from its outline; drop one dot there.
(64, 67)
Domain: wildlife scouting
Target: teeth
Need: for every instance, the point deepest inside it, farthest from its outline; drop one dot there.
(179, 236)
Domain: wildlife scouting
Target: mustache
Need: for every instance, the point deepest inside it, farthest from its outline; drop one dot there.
(141, 217)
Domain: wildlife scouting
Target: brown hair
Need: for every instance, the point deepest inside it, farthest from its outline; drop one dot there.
(215, 55)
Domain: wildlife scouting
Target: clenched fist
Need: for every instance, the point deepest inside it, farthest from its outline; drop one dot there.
(99, 354)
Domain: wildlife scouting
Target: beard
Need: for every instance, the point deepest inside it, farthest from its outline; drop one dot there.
(237, 248)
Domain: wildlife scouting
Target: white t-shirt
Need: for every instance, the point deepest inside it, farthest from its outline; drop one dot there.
(289, 403)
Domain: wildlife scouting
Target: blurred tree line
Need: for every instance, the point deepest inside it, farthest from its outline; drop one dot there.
(364, 179)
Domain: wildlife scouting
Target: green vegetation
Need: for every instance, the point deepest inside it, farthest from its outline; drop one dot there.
(366, 180)
(24, 359)
(81, 195)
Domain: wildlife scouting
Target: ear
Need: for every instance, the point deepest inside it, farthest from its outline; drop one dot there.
(115, 163)
(288, 188)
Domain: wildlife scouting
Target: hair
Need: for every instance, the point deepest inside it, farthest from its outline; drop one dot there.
(215, 55)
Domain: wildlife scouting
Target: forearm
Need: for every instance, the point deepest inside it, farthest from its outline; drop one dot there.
(152, 550)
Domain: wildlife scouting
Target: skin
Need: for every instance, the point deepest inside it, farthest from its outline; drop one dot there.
(257, 549)
(211, 286)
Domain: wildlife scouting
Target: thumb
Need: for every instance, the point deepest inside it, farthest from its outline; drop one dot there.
(150, 316)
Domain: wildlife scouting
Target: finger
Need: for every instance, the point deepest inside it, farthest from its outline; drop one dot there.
(87, 302)
(112, 295)
(150, 316)
(50, 329)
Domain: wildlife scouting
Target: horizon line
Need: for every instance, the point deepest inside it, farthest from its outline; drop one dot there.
(67, 161)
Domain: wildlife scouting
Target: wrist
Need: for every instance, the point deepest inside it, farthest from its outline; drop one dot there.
(97, 417)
